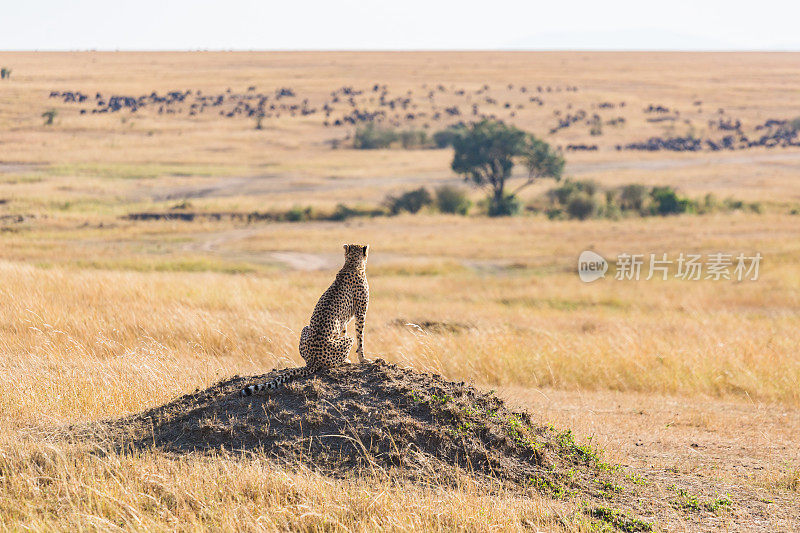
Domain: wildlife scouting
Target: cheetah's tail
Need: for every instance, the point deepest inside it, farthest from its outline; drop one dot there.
(286, 377)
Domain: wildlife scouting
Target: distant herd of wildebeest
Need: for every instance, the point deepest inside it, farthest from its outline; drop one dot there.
(347, 106)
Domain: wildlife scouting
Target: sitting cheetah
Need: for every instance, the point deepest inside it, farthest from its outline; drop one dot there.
(324, 342)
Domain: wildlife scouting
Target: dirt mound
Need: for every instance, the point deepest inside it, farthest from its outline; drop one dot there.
(358, 416)
(399, 421)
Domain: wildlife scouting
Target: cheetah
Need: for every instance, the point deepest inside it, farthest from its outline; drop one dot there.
(324, 342)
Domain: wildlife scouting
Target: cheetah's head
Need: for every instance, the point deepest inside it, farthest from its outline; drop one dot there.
(356, 252)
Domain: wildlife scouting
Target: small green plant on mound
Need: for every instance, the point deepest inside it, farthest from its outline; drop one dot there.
(688, 502)
(636, 478)
(583, 453)
(620, 519)
(551, 488)
(608, 489)
(517, 431)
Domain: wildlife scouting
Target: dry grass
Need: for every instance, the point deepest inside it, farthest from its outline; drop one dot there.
(53, 488)
(104, 317)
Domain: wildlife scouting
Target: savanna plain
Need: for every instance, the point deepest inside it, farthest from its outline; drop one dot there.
(168, 221)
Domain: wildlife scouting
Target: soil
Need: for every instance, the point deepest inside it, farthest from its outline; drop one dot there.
(401, 422)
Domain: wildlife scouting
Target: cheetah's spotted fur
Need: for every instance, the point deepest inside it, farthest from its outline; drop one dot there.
(324, 342)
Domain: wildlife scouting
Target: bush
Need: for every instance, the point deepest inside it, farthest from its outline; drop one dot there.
(506, 206)
(579, 199)
(582, 206)
(632, 197)
(447, 136)
(667, 202)
(733, 204)
(413, 139)
(450, 199)
(344, 212)
(372, 136)
(563, 193)
(298, 214)
(554, 213)
(411, 201)
(610, 209)
(709, 204)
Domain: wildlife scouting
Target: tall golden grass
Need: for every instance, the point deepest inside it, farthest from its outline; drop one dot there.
(102, 317)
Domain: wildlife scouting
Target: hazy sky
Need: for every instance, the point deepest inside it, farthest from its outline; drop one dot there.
(399, 24)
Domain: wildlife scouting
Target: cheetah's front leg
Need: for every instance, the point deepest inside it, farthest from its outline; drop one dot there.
(361, 317)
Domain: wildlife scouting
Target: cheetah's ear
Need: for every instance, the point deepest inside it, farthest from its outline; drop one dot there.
(364, 249)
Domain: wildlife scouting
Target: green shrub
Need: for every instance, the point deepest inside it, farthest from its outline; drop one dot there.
(632, 197)
(564, 193)
(610, 209)
(667, 202)
(579, 199)
(372, 136)
(344, 212)
(5, 73)
(413, 139)
(582, 206)
(553, 213)
(450, 199)
(733, 204)
(709, 204)
(298, 214)
(411, 201)
(446, 137)
(506, 206)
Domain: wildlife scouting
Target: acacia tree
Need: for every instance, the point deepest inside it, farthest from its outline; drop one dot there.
(485, 154)
(541, 161)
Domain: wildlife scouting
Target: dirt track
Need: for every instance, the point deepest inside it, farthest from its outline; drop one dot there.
(266, 184)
